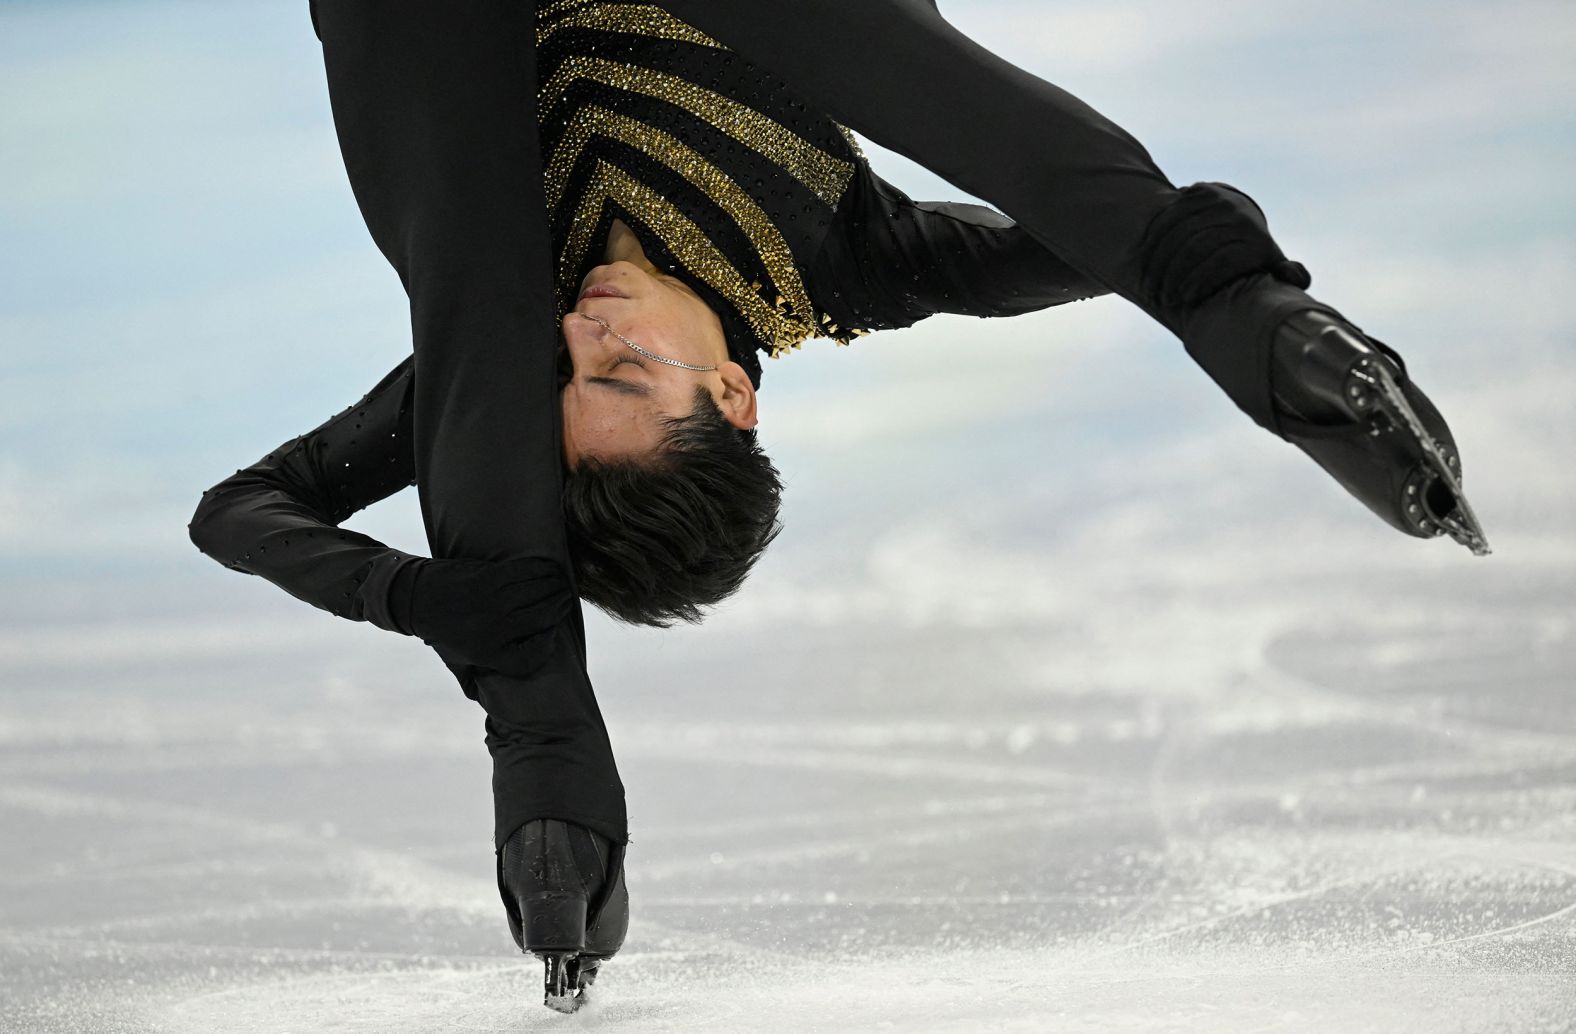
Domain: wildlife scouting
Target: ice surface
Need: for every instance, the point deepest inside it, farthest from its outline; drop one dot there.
(1025, 785)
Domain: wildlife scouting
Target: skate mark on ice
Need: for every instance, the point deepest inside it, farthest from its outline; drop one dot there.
(1504, 931)
(933, 808)
(255, 953)
(843, 847)
(385, 875)
(900, 768)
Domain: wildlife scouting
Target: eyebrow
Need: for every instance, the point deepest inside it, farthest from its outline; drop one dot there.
(625, 387)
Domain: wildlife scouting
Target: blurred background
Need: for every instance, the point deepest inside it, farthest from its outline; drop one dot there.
(1067, 698)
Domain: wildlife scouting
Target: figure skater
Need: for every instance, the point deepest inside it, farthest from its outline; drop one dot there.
(625, 205)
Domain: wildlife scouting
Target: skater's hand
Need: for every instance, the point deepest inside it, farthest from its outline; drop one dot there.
(490, 614)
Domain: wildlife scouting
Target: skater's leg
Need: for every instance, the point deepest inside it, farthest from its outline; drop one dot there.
(899, 73)
(434, 105)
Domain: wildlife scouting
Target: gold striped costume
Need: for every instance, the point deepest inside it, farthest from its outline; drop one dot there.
(767, 209)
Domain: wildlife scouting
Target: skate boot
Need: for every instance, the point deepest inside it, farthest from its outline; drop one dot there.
(570, 905)
(1212, 274)
(1301, 370)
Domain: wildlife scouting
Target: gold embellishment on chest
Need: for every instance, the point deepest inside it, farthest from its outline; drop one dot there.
(822, 173)
(774, 325)
(767, 238)
(640, 19)
(555, 8)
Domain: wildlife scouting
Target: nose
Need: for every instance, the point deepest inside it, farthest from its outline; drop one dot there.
(585, 332)
(583, 324)
(587, 343)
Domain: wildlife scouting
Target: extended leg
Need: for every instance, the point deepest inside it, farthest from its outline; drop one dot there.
(1200, 260)
(899, 73)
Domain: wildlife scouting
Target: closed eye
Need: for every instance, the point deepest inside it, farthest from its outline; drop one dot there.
(622, 385)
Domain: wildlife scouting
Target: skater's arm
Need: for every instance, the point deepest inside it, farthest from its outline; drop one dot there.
(896, 261)
(279, 518)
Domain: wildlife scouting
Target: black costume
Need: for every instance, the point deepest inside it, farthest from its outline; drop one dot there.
(767, 208)
(879, 260)
(729, 166)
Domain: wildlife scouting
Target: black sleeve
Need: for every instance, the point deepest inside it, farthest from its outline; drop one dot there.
(889, 261)
(280, 517)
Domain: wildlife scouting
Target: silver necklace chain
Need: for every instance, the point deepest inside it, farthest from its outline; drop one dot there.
(649, 355)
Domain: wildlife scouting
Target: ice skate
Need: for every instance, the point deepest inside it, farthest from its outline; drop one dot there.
(572, 908)
(568, 977)
(1301, 370)
(1365, 382)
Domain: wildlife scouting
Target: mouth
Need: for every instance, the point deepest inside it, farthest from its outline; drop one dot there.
(601, 291)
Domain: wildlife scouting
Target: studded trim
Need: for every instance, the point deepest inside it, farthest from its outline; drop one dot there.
(772, 323)
(641, 19)
(762, 232)
(821, 172)
(779, 312)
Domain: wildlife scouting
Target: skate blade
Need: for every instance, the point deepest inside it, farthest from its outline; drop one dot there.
(1459, 522)
(563, 990)
(568, 1003)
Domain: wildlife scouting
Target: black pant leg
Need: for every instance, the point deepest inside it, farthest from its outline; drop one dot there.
(434, 105)
(897, 72)
(435, 108)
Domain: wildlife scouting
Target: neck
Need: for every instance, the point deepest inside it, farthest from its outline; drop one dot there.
(624, 246)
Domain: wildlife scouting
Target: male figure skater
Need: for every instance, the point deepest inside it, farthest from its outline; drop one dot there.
(731, 216)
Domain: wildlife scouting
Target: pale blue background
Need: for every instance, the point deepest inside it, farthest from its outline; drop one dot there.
(185, 281)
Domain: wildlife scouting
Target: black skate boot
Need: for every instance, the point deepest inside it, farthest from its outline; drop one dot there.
(570, 905)
(1301, 370)
(1213, 274)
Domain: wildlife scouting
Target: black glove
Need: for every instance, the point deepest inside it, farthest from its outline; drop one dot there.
(498, 614)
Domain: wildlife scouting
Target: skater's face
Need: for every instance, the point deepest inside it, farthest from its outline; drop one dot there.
(615, 400)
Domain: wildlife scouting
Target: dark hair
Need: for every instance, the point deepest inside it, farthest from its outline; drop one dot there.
(654, 541)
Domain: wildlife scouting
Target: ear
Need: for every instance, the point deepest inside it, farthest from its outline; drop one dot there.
(737, 400)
